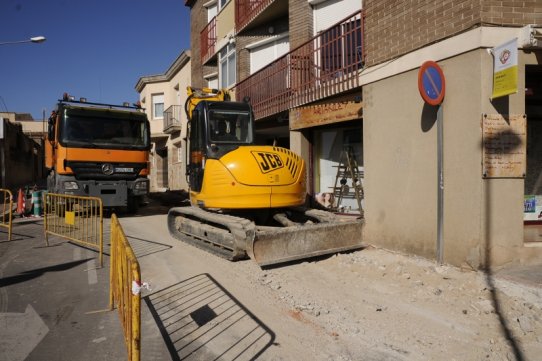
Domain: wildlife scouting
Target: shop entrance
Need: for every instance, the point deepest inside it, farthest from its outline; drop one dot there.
(533, 178)
(329, 144)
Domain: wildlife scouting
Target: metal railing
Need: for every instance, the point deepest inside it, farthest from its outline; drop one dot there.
(326, 65)
(125, 282)
(77, 218)
(7, 210)
(208, 40)
(247, 10)
(172, 118)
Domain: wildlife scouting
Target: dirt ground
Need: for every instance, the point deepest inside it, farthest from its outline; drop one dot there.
(371, 304)
(378, 305)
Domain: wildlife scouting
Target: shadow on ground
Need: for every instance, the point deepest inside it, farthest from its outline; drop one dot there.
(200, 320)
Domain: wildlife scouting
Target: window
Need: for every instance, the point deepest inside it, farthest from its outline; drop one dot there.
(227, 66)
(179, 153)
(212, 82)
(340, 50)
(329, 12)
(222, 3)
(211, 12)
(263, 54)
(158, 106)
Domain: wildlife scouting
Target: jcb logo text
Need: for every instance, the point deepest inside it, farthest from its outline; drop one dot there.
(268, 161)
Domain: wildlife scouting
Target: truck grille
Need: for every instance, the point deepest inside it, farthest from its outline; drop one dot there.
(95, 170)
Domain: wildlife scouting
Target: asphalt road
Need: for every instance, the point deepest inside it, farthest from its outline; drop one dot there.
(357, 306)
(54, 300)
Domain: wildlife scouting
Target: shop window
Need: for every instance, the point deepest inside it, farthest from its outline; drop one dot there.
(329, 144)
(533, 176)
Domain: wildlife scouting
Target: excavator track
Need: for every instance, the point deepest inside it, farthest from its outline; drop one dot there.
(234, 238)
(223, 235)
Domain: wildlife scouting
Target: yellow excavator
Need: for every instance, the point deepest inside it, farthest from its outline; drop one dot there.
(247, 199)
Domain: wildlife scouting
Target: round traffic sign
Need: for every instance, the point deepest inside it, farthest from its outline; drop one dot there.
(431, 83)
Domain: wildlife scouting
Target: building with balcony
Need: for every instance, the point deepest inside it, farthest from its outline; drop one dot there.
(163, 96)
(328, 76)
(298, 62)
(21, 150)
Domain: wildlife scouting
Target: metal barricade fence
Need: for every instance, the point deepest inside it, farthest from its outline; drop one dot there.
(7, 210)
(125, 284)
(77, 218)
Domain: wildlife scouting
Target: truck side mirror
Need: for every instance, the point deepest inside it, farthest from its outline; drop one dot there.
(51, 128)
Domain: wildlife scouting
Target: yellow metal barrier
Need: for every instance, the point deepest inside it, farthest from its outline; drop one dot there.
(7, 210)
(79, 219)
(125, 284)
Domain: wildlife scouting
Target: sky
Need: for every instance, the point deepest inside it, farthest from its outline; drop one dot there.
(97, 49)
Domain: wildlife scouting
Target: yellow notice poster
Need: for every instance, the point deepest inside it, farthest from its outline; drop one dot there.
(505, 69)
(70, 218)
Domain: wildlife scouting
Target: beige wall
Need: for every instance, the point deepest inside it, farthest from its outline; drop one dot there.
(483, 218)
(177, 166)
(225, 24)
(150, 89)
(173, 86)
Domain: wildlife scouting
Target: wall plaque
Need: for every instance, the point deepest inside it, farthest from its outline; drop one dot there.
(504, 145)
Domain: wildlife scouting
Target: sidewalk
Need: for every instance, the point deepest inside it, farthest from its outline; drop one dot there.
(54, 300)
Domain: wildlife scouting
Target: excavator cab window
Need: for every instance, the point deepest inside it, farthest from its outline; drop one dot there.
(230, 126)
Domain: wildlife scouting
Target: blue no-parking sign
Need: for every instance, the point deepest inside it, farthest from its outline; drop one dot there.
(431, 83)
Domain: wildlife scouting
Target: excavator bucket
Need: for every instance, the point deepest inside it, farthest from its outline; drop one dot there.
(304, 241)
(234, 238)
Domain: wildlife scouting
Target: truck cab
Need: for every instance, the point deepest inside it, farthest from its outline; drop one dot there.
(98, 150)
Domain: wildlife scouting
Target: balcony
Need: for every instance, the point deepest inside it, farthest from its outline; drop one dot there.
(326, 65)
(172, 119)
(255, 12)
(208, 41)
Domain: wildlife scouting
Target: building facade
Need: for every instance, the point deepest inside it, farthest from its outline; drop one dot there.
(331, 77)
(485, 223)
(21, 151)
(163, 96)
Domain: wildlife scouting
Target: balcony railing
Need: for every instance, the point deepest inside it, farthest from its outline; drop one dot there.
(208, 41)
(172, 119)
(326, 65)
(247, 10)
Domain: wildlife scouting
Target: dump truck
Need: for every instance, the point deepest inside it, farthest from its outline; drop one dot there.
(248, 199)
(99, 150)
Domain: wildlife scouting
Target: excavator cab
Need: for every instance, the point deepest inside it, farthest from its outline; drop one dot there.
(215, 129)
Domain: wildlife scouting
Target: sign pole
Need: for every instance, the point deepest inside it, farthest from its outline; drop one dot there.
(440, 197)
(432, 85)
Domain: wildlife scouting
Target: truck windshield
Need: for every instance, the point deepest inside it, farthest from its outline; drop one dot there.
(109, 129)
(230, 126)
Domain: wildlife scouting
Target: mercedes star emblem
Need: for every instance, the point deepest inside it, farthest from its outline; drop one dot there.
(107, 168)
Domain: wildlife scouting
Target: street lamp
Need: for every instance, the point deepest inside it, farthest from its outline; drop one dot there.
(35, 39)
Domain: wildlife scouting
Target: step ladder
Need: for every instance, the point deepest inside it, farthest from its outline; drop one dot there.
(348, 180)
